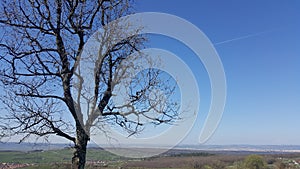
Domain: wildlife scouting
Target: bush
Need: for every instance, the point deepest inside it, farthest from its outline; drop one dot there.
(207, 167)
(254, 162)
(238, 165)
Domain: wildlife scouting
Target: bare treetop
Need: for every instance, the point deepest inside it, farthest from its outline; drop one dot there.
(51, 87)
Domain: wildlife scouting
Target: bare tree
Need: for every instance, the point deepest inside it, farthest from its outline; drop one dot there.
(43, 72)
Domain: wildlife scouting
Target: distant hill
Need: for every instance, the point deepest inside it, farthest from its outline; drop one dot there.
(12, 146)
(245, 148)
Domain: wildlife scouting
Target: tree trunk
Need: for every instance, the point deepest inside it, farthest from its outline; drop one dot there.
(78, 160)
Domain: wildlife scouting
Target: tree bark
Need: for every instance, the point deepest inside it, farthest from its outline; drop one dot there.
(79, 157)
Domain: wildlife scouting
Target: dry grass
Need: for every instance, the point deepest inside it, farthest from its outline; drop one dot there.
(218, 161)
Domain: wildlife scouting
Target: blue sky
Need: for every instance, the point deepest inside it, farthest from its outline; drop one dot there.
(259, 45)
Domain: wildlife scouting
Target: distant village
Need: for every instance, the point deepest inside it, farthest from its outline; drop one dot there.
(13, 165)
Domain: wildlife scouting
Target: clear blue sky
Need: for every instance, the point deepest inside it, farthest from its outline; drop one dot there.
(258, 42)
(259, 45)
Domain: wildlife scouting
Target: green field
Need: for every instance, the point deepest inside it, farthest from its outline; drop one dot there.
(53, 156)
(98, 158)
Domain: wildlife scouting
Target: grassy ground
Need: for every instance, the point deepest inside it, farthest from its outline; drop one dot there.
(35, 157)
(60, 159)
(53, 156)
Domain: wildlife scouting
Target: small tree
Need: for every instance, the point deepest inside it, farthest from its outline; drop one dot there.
(44, 89)
(254, 162)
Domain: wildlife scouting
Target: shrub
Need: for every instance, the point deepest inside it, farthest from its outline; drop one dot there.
(207, 167)
(254, 162)
(238, 165)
